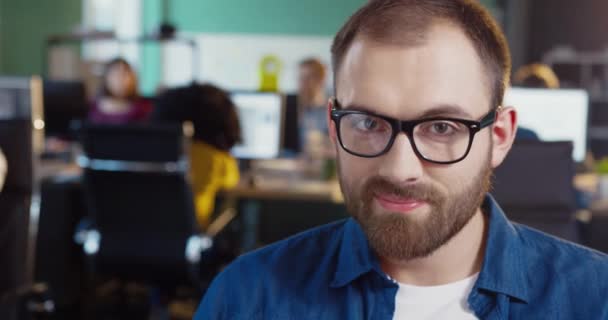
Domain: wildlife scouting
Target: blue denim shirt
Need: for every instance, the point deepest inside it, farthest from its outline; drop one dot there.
(331, 273)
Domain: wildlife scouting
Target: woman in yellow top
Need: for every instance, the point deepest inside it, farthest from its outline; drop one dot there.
(216, 131)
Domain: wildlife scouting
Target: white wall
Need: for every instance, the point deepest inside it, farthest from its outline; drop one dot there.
(232, 60)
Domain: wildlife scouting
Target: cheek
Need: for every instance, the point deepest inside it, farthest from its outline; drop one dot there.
(355, 170)
(454, 178)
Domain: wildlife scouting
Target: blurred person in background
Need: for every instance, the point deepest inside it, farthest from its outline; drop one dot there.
(311, 89)
(216, 130)
(118, 101)
(534, 76)
(312, 102)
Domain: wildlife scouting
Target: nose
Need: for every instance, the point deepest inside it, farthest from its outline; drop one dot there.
(401, 164)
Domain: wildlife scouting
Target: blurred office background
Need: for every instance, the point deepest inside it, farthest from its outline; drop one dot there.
(145, 144)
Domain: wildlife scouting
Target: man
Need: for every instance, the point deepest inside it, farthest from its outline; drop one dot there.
(311, 84)
(418, 131)
(312, 99)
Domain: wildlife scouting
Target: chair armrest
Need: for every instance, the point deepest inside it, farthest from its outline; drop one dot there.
(196, 245)
(89, 239)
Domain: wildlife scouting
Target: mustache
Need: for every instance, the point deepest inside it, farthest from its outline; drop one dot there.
(419, 191)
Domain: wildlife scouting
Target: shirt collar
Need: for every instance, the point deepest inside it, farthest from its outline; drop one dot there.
(503, 269)
(355, 257)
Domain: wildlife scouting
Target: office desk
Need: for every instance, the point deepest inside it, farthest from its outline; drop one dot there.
(265, 188)
(279, 200)
(55, 168)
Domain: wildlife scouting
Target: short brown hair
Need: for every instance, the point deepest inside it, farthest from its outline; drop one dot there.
(406, 22)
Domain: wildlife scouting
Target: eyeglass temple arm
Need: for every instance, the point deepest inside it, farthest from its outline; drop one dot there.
(489, 118)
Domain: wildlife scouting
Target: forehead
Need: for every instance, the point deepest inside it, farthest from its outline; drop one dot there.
(407, 81)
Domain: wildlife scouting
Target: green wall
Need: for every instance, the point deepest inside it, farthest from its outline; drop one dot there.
(150, 54)
(489, 3)
(24, 26)
(301, 17)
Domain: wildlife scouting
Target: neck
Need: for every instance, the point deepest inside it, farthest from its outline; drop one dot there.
(461, 257)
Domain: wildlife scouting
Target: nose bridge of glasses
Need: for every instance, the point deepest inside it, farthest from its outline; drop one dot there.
(402, 162)
(407, 129)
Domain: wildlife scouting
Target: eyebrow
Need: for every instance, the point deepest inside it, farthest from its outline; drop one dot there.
(446, 110)
(442, 110)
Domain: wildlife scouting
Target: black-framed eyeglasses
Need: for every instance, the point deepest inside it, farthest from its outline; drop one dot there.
(440, 140)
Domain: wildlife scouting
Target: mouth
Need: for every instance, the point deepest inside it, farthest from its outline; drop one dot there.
(395, 203)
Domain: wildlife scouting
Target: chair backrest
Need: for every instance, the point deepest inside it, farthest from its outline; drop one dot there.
(139, 142)
(537, 176)
(15, 200)
(136, 188)
(534, 186)
(16, 144)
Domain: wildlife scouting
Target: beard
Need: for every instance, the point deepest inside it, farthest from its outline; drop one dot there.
(401, 237)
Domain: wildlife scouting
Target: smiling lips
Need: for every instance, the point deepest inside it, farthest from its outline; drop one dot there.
(398, 204)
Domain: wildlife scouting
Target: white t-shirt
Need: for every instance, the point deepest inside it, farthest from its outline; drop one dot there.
(447, 301)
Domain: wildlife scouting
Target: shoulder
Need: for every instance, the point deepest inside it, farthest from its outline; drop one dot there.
(565, 264)
(302, 251)
(543, 245)
(255, 279)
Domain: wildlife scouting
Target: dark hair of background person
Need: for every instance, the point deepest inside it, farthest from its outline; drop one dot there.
(407, 22)
(105, 91)
(209, 108)
(536, 75)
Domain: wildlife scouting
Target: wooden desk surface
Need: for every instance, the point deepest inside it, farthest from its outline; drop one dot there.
(286, 189)
(51, 168)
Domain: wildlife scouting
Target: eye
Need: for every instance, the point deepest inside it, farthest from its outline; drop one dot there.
(442, 128)
(368, 124)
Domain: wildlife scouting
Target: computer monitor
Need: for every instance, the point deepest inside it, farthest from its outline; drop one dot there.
(65, 102)
(553, 114)
(291, 127)
(261, 118)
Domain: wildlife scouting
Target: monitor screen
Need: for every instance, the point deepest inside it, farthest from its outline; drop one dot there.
(261, 117)
(554, 115)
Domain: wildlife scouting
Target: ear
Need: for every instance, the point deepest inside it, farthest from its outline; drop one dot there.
(503, 134)
(331, 124)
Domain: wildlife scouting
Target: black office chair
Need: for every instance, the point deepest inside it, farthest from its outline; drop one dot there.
(534, 186)
(19, 296)
(142, 221)
(15, 201)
